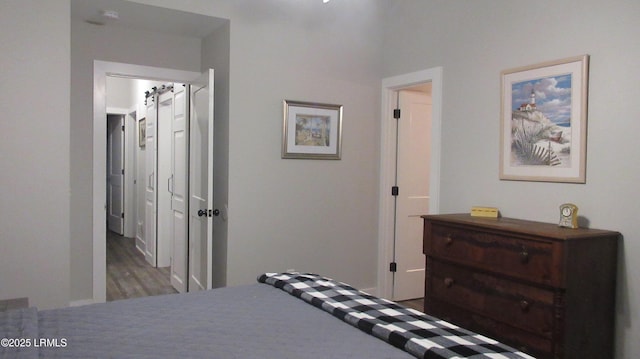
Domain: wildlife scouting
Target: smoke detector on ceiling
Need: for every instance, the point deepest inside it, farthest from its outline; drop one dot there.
(103, 17)
(110, 14)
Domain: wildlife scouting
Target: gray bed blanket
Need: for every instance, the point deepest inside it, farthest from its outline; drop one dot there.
(18, 330)
(254, 321)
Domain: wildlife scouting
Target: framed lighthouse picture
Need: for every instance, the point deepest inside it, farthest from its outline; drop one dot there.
(544, 121)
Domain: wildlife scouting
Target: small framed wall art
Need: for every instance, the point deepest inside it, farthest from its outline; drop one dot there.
(544, 121)
(142, 133)
(311, 130)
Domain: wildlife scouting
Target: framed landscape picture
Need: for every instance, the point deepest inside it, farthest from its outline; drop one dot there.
(311, 130)
(544, 121)
(142, 132)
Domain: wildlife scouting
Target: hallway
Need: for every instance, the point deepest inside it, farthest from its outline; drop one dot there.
(129, 275)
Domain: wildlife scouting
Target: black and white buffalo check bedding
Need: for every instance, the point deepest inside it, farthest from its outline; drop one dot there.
(421, 335)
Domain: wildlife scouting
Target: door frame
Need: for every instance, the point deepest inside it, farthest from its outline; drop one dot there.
(102, 69)
(390, 86)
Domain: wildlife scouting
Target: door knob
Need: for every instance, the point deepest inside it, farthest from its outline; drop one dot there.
(208, 212)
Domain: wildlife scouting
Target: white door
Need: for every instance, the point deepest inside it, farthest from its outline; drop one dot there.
(115, 173)
(140, 180)
(178, 186)
(164, 214)
(151, 168)
(201, 183)
(414, 134)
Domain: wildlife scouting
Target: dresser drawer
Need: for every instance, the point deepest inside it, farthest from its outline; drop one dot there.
(539, 346)
(531, 260)
(519, 305)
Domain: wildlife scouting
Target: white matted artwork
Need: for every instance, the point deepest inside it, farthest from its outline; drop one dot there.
(311, 130)
(544, 121)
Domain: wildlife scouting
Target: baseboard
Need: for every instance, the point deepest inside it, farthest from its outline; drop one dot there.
(79, 303)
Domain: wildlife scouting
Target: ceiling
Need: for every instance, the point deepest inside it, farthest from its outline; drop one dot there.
(145, 17)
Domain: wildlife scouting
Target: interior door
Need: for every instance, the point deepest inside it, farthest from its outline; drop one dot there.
(140, 181)
(115, 173)
(178, 186)
(201, 183)
(151, 169)
(414, 156)
(164, 214)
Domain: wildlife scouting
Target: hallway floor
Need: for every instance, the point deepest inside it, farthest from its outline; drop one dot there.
(129, 275)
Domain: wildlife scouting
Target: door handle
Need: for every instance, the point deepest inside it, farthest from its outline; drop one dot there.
(170, 184)
(208, 212)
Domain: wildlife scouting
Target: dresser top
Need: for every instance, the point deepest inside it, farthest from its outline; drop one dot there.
(550, 230)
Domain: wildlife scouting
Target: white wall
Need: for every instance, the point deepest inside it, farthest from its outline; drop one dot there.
(308, 215)
(297, 213)
(34, 151)
(120, 92)
(474, 41)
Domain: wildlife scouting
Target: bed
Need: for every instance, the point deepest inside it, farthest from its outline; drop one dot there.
(285, 315)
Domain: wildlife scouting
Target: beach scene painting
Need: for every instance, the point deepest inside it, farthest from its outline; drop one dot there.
(541, 122)
(544, 121)
(311, 130)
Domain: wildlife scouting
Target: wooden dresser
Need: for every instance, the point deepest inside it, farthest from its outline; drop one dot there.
(546, 290)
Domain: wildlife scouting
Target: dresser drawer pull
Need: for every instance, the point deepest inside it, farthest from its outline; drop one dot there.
(524, 305)
(448, 282)
(448, 241)
(524, 255)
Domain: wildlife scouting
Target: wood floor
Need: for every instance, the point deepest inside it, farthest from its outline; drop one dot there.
(129, 275)
(417, 304)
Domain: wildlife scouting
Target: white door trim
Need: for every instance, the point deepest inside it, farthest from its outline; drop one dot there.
(387, 163)
(102, 69)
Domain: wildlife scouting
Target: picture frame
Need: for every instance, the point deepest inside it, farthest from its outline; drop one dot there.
(311, 130)
(142, 133)
(543, 132)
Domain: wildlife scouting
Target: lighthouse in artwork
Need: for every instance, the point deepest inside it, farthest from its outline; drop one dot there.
(533, 98)
(531, 106)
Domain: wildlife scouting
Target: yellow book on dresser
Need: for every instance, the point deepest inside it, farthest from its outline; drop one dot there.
(491, 212)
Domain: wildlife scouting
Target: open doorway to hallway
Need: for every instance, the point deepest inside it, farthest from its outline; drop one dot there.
(191, 177)
(128, 272)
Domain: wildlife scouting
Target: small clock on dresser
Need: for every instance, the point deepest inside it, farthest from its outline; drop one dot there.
(568, 215)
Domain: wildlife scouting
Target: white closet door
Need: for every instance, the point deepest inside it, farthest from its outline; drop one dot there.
(151, 167)
(164, 232)
(178, 185)
(140, 179)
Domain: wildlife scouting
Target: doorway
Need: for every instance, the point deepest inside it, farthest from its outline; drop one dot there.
(128, 273)
(101, 71)
(389, 162)
(115, 172)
